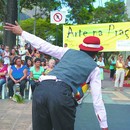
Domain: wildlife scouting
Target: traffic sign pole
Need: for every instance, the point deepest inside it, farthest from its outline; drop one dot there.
(56, 35)
(57, 18)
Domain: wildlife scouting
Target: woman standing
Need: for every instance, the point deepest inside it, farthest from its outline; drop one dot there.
(35, 72)
(112, 67)
(120, 72)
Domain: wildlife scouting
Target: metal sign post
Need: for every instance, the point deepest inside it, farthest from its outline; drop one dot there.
(56, 35)
(57, 18)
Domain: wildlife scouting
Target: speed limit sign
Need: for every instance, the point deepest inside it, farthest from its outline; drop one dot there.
(57, 17)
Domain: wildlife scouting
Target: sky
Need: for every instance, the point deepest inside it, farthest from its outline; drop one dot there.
(98, 2)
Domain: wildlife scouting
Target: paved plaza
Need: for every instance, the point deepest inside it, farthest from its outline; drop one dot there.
(14, 116)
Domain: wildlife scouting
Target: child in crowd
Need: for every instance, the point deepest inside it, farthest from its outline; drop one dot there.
(101, 65)
(6, 55)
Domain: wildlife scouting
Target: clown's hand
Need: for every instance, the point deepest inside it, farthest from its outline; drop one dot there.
(16, 29)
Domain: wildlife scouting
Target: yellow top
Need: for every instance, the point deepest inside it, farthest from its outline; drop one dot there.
(120, 66)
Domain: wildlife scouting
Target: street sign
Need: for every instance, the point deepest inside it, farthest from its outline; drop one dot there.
(57, 17)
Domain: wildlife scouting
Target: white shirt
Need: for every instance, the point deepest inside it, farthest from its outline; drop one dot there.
(94, 77)
(22, 52)
(100, 63)
(6, 59)
(129, 64)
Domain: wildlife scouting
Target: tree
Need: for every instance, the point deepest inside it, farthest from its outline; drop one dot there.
(11, 17)
(45, 6)
(44, 30)
(112, 12)
(3, 4)
(48, 31)
(10, 14)
(80, 11)
(8, 11)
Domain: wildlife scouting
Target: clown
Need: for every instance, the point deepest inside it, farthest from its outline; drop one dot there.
(54, 103)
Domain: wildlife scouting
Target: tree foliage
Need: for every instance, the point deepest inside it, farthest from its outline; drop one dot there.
(83, 12)
(44, 30)
(3, 11)
(45, 6)
(112, 12)
(80, 11)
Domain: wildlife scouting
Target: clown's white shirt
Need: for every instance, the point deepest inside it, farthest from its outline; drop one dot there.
(94, 77)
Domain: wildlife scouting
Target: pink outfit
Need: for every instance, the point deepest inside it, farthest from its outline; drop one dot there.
(3, 70)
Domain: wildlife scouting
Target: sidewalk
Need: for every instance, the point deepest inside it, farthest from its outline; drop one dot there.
(14, 116)
(110, 96)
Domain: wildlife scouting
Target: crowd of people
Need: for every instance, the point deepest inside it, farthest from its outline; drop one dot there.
(119, 69)
(22, 64)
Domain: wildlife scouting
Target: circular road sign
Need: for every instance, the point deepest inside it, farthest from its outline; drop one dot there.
(57, 17)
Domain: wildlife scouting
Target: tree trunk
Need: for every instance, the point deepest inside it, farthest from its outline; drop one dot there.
(10, 17)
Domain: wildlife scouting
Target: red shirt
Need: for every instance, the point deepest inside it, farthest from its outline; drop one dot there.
(3, 69)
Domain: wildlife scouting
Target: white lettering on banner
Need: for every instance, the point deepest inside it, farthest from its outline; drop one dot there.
(123, 45)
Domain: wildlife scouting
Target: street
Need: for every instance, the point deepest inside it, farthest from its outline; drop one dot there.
(14, 116)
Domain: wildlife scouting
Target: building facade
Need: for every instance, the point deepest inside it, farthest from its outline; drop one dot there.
(128, 7)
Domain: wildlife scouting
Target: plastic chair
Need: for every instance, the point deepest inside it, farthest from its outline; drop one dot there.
(30, 93)
(4, 90)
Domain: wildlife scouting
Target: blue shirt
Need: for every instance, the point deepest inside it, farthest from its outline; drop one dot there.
(17, 73)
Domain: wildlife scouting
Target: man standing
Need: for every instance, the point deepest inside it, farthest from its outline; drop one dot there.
(54, 106)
